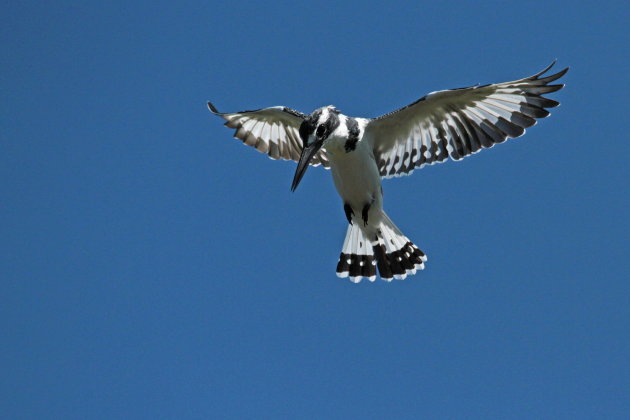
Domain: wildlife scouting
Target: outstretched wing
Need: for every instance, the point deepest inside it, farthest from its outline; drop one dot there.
(459, 122)
(274, 131)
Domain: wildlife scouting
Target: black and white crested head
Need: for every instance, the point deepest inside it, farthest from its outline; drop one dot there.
(314, 131)
(318, 126)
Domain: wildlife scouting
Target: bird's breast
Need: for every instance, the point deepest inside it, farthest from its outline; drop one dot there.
(355, 175)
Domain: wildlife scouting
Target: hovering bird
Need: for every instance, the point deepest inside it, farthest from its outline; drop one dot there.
(361, 151)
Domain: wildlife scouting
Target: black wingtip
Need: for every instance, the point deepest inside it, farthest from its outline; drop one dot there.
(212, 108)
(546, 69)
(563, 72)
(549, 78)
(552, 77)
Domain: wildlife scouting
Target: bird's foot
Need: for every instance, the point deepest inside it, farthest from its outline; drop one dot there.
(364, 213)
(349, 213)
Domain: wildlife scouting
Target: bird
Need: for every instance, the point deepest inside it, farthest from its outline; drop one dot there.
(360, 152)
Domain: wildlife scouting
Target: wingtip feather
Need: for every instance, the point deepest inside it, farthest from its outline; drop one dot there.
(553, 76)
(553, 63)
(212, 108)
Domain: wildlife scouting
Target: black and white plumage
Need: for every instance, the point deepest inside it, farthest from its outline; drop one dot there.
(274, 131)
(360, 151)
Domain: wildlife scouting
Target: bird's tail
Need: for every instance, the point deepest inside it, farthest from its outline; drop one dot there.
(390, 251)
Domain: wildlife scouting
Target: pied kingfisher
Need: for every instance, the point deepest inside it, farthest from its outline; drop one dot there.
(360, 151)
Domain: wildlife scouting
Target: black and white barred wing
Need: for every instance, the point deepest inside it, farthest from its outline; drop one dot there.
(274, 131)
(459, 122)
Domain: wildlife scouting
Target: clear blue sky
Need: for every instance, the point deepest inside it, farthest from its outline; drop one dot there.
(153, 267)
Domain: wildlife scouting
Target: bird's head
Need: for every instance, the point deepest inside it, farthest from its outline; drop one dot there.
(314, 131)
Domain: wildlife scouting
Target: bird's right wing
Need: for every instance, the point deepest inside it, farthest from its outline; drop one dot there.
(274, 131)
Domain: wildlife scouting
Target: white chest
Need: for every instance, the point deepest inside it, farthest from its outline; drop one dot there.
(355, 174)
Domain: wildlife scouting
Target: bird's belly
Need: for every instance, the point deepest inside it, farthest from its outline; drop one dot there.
(357, 180)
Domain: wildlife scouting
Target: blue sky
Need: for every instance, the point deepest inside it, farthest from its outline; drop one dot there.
(154, 267)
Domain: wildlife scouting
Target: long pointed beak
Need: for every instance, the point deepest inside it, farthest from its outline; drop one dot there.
(307, 154)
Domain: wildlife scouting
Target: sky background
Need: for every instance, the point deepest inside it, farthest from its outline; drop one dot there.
(153, 267)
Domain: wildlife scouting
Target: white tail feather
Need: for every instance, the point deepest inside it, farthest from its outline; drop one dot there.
(391, 251)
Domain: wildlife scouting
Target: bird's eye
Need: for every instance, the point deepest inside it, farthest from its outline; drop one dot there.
(320, 131)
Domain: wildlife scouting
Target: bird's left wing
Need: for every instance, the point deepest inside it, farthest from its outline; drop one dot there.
(274, 131)
(459, 122)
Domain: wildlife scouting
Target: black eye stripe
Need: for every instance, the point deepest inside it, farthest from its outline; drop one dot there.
(309, 125)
